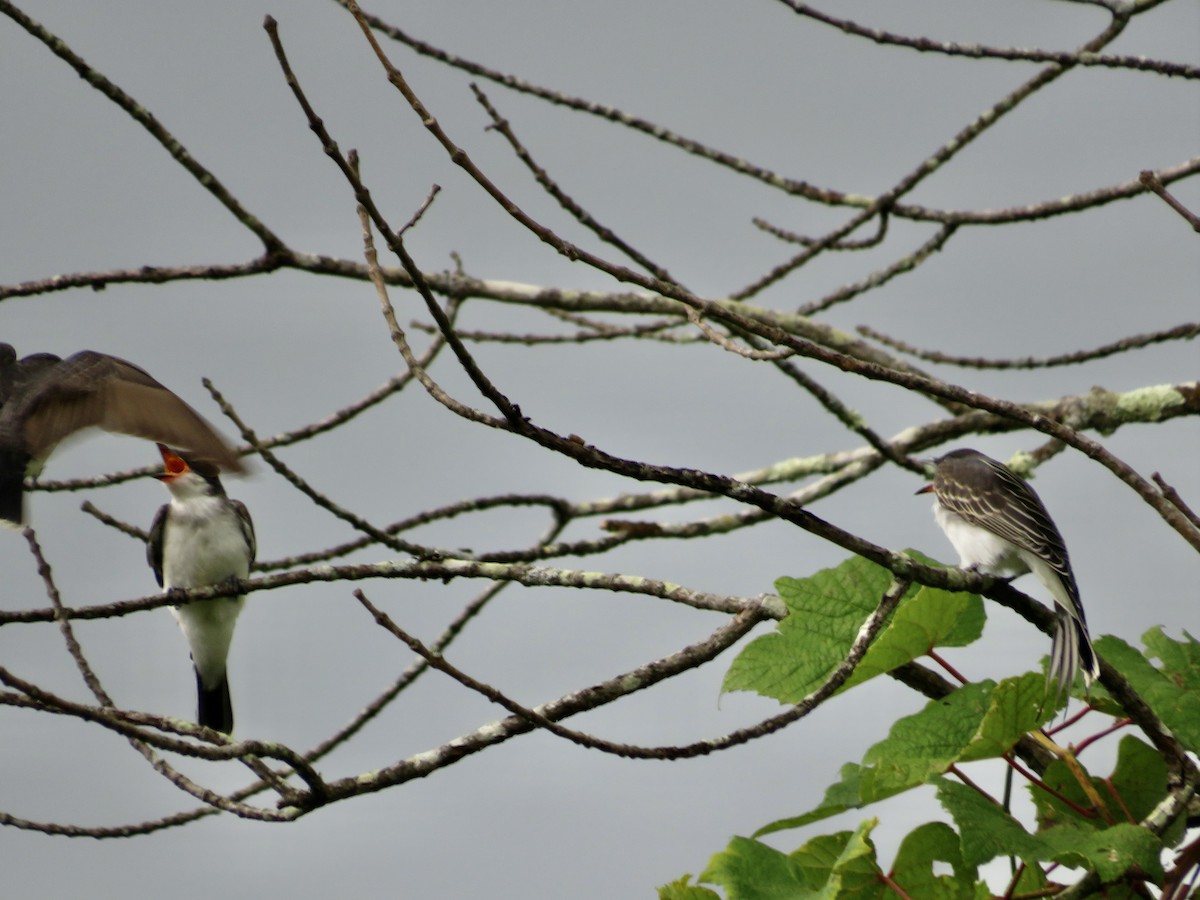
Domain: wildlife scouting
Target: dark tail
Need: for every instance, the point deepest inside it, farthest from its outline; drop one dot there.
(215, 708)
(1089, 663)
(12, 486)
(1071, 653)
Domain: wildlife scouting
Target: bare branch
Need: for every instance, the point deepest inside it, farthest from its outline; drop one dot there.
(206, 179)
(980, 51)
(586, 219)
(1187, 331)
(1154, 183)
(835, 680)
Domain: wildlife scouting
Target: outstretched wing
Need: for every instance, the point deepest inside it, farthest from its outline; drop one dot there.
(96, 389)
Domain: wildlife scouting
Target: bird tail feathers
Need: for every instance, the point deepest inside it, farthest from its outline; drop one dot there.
(12, 486)
(215, 707)
(1070, 653)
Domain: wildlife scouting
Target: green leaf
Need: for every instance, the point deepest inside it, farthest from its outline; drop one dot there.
(988, 832)
(1031, 882)
(918, 748)
(845, 794)
(1063, 802)
(932, 618)
(680, 889)
(1111, 851)
(1180, 659)
(1172, 691)
(923, 745)
(1139, 778)
(978, 721)
(846, 861)
(750, 869)
(1015, 707)
(913, 868)
(830, 867)
(826, 612)
(1137, 785)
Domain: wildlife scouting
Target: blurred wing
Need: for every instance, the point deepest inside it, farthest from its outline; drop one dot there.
(95, 389)
(16, 377)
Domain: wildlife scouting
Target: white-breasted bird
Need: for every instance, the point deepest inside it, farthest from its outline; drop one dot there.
(202, 538)
(44, 399)
(998, 525)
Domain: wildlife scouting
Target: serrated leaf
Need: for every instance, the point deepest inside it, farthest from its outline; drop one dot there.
(926, 743)
(1062, 802)
(750, 869)
(978, 721)
(918, 748)
(987, 832)
(1015, 707)
(839, 797)
(932, 618)
(1031, 882)
(1180, 659)
(1140, 777)
(848, 862)
(681, 889)
(913, 868)
(1138, 783)
(1110, 851)
(826, 612)
(830, 867)
(1169, 692)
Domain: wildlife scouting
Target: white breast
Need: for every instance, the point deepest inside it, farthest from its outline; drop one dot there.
(203, 545)
(977, 547)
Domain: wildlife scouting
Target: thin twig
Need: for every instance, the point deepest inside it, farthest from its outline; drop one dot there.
(747, 619)
(1154, 183)
(271, 242)
(1186, 331)
(727, 314)
(320, 499)
(581, 215)
(64, 622)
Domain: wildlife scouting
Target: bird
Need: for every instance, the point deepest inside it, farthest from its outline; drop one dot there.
(201, 538)
(44, 399)
(999, 525)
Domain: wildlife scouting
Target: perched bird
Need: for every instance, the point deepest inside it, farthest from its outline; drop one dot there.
(998, 525)
(43, 399)
(202, 538)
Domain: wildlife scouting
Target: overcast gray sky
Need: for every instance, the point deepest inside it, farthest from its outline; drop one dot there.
(84, 188)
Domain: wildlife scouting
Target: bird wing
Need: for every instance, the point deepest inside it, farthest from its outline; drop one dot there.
(247, 528)
(995, 499)
(17, 376)
(154, 546)
(96, 389)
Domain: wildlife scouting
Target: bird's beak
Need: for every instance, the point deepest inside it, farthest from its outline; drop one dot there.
(174, 465)
(926, 490)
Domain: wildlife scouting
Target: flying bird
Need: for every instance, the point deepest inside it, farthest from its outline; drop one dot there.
(202, 538)
(44, 399)
(998, 525)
